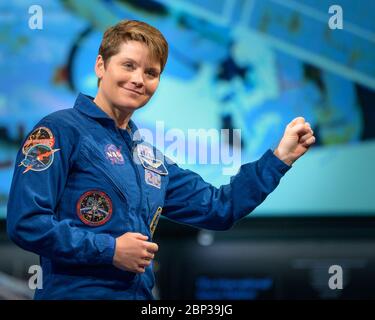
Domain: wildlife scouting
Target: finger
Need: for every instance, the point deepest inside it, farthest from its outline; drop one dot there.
(148, 255)
(151, 247)
(301, 129)
(309, 141)
(305, 137)
(145, 263)
(140, 269)
(308, 126)
(296, 121)
(140, 236)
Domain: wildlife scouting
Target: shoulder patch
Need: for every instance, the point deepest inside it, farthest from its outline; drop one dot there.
(38, 158)
(41, 135)
(38, 150)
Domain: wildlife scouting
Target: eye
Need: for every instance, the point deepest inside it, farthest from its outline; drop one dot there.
(152, 73)
(128, 65)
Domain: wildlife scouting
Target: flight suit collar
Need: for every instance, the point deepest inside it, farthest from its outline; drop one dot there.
(86, 105)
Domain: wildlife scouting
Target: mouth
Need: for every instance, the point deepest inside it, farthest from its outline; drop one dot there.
(133, 91)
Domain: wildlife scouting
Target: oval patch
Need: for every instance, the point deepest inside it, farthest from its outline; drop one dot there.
(94, 208)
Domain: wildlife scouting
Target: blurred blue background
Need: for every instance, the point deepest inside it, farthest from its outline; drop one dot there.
(248, 64)
(253, 65)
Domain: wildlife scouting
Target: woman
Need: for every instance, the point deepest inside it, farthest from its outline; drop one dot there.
(88, 191)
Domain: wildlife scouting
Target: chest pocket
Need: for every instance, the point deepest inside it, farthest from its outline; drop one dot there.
(113, 174)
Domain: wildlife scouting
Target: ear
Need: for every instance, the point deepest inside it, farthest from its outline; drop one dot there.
(99, 66)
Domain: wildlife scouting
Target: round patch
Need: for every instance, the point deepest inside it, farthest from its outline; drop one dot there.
(94, 208)
(41, 135)
(38, 158)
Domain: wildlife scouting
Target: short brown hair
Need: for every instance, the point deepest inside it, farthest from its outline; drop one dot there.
(127, 30)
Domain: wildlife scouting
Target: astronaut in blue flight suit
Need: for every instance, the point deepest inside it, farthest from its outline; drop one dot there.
(87, 191)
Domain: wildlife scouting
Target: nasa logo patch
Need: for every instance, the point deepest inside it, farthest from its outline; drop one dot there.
(94, 208)
(113, 154)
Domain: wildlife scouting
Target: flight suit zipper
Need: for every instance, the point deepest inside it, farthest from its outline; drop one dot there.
(109, 179)
(131, 151)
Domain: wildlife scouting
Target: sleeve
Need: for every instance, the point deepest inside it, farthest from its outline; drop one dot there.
(191, 200)
(41, 171)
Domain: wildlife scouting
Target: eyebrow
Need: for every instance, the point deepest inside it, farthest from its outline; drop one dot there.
(135, 62)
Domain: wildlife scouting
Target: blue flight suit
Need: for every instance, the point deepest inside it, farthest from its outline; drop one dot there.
(80, 182)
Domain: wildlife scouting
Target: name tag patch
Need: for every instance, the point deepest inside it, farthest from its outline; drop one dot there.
(152, 178)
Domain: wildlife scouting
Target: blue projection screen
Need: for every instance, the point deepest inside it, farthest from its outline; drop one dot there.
(252, 65)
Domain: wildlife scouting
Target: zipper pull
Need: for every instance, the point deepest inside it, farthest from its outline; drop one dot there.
(155, 220)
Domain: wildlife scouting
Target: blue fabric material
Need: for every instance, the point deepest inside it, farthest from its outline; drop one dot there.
(76, 256)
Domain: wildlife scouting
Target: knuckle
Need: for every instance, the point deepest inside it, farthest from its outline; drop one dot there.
(145, 254)
(152, 248)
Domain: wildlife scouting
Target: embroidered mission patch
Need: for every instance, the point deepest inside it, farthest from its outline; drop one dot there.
(145, 151)
(38, 158)
(148, 161)
(94, 208)
(41, 135)
(38, 150)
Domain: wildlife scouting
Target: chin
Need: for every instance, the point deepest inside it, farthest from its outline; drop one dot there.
(125, 104)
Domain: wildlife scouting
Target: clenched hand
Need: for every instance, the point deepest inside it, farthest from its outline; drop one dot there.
(133, 252)
(297, 139)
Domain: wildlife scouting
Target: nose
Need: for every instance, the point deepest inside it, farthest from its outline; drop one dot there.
(137, 79)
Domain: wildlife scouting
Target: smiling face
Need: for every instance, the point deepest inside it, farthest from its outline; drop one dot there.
(128, 79)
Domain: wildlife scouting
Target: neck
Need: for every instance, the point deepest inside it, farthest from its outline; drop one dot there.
(121, 117)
